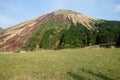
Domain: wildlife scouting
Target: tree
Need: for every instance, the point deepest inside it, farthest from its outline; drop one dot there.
(118, 40)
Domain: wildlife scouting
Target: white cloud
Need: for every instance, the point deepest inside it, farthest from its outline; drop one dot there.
(117, 7)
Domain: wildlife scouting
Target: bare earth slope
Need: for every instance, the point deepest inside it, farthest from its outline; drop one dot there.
(13, 38)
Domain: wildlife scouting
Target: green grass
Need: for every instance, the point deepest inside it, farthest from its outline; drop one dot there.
(67, 64)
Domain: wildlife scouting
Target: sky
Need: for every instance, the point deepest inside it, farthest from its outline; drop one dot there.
(13, 12)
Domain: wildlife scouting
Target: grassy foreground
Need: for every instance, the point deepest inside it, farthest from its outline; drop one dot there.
(68, 64)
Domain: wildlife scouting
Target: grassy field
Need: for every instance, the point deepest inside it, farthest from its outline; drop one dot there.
(67, 64)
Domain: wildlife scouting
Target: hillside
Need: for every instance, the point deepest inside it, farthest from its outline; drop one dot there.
(58, 29)
(1, 29)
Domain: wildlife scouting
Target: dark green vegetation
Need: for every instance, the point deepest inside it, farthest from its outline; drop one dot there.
(47, 35)
(66, 64)
(109, 31)
(57, 34)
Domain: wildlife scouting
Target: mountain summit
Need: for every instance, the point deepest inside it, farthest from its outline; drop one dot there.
(76, 17)
(58, 29)
(63, 11)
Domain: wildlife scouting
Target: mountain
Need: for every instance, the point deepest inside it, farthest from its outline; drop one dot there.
(58, 29)
(1, 30)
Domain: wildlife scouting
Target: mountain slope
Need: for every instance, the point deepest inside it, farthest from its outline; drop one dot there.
(13, 37)
(59, 29)
(0, 28)
(76, 17)
(1, 31)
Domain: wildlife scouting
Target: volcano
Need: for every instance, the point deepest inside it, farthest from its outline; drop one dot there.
(51, 31)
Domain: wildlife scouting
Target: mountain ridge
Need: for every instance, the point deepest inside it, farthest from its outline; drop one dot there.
(51, 26)
(76, 17)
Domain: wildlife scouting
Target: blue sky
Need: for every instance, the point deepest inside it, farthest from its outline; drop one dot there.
(13, 12)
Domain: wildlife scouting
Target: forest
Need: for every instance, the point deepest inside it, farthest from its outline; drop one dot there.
(57, 36)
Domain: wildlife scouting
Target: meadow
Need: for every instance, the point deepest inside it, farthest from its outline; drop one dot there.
(66, 64)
